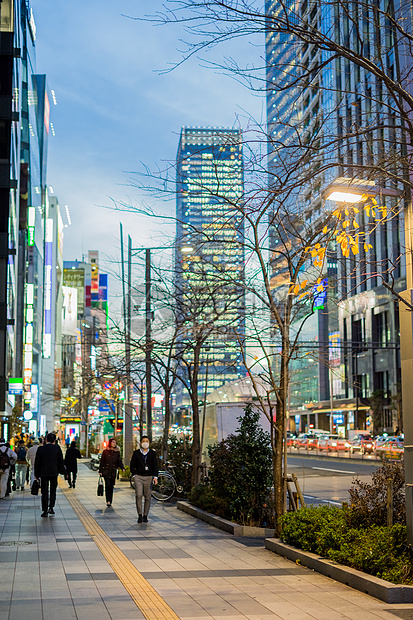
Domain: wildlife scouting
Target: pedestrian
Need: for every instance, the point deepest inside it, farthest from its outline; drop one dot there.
(110, 462)
(7, 459)
(67, 441)
(47, 465)
(31, 456)
(21, 464)
(72, 454)
(144, 469)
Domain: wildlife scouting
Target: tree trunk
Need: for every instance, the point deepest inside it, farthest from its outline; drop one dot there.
(196, 439)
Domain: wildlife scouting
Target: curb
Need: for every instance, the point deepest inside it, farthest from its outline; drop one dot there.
(223, 524)
(379, 588)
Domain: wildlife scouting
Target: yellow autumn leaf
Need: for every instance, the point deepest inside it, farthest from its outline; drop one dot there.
(296, 289)
(346, 223)
(304, 284)
(303, 295)
(325, 230)
(355, 249)
(320, 288)
(355, 224)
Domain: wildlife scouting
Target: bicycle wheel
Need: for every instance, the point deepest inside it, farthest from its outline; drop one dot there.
(165, 488)
(132, 482)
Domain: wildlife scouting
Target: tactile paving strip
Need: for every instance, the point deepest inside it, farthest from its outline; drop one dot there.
(146, 598)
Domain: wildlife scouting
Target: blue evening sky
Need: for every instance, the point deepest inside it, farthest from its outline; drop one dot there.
(114, 110)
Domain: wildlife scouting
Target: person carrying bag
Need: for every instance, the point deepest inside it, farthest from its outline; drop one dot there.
(109, 464)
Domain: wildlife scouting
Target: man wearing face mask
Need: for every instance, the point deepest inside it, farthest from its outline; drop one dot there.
(144, 469)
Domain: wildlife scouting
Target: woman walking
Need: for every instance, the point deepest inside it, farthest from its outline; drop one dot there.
(109, 464)
(144, 469)
(71, 456)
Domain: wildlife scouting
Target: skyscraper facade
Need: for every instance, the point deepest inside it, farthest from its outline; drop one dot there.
(209, 253)
(346, 119)
(28, 235)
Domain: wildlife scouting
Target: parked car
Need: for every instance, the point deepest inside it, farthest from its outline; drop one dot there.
(307, 441)
(361, 443)
(332, 443)
(337, 444)
(291, 437)
(391, 449)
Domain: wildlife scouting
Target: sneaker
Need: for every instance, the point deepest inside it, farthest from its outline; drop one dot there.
(145, 518)
(139, 518)
(108, 504)
(44, 514)
(70, 486)
(51, 511)
(73, 485)
(21, 488)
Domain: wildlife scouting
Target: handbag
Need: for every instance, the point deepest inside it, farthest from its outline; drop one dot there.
(35, 488)
(100, 487)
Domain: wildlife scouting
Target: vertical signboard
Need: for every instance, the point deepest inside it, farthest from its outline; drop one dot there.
(48, 292)
(69, 311)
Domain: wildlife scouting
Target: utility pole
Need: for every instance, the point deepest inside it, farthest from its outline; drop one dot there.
(127, 418)
(148, 347)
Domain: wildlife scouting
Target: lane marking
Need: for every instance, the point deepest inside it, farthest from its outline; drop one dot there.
(324, 501)
(339, 471)
(145, 597)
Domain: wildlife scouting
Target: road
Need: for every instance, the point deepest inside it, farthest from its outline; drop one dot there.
(327, 482)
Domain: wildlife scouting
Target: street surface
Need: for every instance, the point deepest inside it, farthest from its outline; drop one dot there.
(72, 567)
(324, 481)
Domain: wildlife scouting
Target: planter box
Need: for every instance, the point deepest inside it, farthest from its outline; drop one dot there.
(379, 588)
(123, 479)
(223, 524)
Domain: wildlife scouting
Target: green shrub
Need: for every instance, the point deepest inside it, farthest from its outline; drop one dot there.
(204, 497)
(369, 501)
(126, 472)
(240, 474)
(376, 550)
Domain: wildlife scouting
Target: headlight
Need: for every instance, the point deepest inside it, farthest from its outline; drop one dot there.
(333, 444)
(347, 445)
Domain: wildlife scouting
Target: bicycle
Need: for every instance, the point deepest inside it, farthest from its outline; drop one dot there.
(167, 484)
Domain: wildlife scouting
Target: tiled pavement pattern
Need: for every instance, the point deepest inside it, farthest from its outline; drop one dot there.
(199, 571)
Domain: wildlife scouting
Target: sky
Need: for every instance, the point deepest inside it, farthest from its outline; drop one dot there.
(117, 112)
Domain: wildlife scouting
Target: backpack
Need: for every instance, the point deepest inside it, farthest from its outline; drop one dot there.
(21, 454)
(4, 460)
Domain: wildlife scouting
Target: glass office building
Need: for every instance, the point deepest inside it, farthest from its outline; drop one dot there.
(209, 254)
(329, 105)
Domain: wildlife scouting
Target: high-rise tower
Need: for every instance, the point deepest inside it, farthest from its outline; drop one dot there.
(209, 256)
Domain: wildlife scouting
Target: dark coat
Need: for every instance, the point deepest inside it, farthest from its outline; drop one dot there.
(109, 463)
(139, 461)
(48, 461)
(71, 456)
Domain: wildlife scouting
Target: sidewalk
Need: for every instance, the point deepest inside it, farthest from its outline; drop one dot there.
(58, 571)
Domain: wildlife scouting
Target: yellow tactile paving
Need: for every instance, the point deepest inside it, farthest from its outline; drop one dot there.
(150, 603)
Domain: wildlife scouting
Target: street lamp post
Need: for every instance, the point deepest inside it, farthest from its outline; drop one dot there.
(344, 191)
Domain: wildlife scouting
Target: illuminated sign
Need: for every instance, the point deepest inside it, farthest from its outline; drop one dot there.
(32, 25)
(320, 296)
(46, 112)
(75, 278)
(31, 219)
(28, 345)
(69, 311)
(16, 386)
(48, 282)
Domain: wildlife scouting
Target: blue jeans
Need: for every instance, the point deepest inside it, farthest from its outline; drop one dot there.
(21, 471)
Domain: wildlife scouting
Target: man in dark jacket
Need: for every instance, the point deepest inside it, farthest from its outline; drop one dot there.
(71, 456)
(47, 465)
(144, 469)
